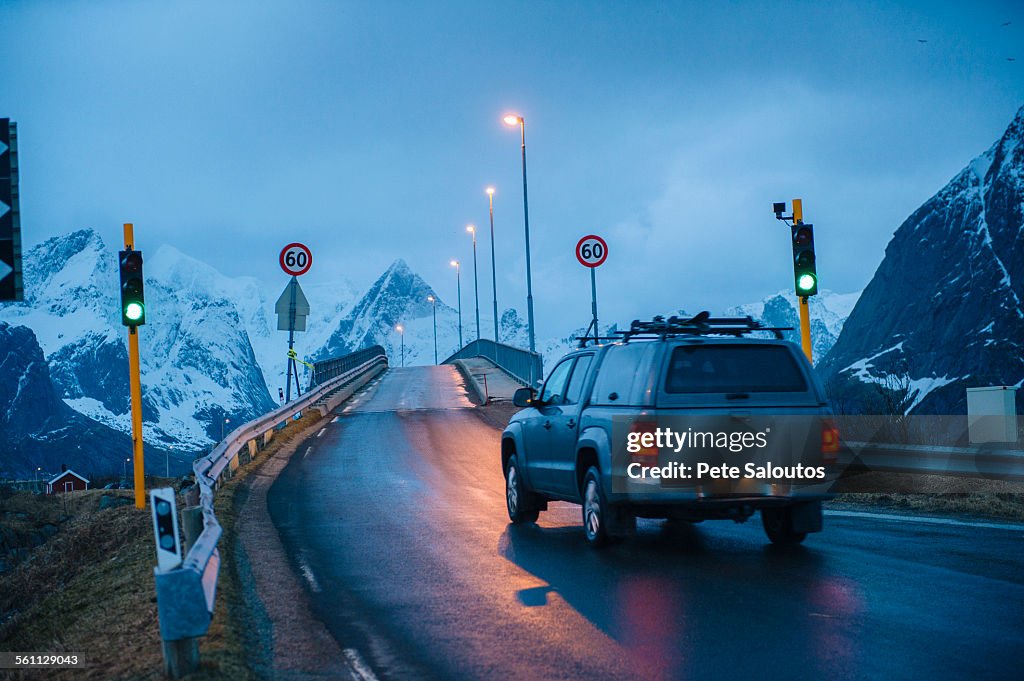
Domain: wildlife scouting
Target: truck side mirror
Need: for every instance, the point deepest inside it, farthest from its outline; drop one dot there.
(523, 397)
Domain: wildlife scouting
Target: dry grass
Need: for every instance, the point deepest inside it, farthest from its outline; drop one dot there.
(923, 493)
(90, 588)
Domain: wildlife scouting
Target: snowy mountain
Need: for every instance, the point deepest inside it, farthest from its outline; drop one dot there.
(39, 431)
(398, 297)
(944, 310)
(198, 366)
(828, 312)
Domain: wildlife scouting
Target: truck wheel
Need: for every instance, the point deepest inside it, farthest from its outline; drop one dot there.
(595, 510)
(521, 505)
(778, 525)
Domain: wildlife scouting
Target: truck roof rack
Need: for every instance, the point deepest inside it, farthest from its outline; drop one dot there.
(701, 324)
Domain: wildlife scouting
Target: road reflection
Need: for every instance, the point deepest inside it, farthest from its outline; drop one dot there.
(681, 600)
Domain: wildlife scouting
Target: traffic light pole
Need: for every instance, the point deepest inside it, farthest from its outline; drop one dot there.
(805, 311)
(135, 388)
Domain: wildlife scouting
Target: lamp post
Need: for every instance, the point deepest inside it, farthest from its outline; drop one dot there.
(226, 421)
(401, 333)
(476, 282)
(458, 281)
(433, 304)
(516, 119)
(124, 471)
(494, 272)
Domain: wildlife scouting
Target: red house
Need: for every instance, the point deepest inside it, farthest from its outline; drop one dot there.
(68, 481)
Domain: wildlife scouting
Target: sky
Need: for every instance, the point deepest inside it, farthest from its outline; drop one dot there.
(369, 131)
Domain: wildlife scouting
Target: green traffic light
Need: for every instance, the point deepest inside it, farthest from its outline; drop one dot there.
(805, 282)
(133, 311)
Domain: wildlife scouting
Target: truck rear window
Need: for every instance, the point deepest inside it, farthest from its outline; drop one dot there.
(733, 369)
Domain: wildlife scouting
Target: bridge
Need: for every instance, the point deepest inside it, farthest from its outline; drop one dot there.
(393, 519)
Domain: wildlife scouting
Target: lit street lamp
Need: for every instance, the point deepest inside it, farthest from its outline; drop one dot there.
(226, 421)
(476, 282)
(515, 119)
(124, 471)
(458, 280)
(401, 332)
(433, 304)
(494, 274)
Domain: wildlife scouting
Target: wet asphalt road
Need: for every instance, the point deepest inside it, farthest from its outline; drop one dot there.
(395, 518)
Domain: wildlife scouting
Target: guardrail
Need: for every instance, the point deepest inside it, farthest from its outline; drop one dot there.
(327, 369)
(995, 462)
(185, 595)
(521, 365)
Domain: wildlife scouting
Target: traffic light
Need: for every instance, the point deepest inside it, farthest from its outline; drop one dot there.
(133, 299)
(805, 274)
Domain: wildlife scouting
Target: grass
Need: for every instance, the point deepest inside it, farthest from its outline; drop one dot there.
(89, 589)
(933, 494)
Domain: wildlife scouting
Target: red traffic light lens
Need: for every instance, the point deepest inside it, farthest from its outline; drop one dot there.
(803, 236)
(132, 262)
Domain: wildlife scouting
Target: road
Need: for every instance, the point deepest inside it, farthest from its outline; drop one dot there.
(395, 518)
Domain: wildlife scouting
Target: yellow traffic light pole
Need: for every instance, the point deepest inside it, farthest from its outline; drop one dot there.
(135, 388)
(805, 311)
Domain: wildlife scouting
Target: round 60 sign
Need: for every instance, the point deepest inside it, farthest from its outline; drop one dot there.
(296, 259)
(591, 251)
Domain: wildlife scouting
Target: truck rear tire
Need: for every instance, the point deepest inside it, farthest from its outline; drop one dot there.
(778, 525)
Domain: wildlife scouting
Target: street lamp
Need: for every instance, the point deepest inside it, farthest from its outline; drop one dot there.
(124, 471)
(401, 332)
(433, 304)
(458, 281)
(512, 120)
(476, 282)
(494, 273)
(226, 421)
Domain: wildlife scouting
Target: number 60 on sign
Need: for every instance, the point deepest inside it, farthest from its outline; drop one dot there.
(296, 259)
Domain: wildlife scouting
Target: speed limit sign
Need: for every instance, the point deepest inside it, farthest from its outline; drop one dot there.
(591, 251)
(296, 259)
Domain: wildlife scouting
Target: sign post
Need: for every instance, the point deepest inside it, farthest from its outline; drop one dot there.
(292, 307)
(592, 251)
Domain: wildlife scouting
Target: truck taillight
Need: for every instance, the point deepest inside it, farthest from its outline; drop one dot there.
(829, 441)
(646, 456)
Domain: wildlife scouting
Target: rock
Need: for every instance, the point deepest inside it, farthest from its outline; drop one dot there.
(110, 501)
(945, 309)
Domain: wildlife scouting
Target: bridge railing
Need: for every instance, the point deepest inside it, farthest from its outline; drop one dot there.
(328, 369)
(185, 595)
(522, 365)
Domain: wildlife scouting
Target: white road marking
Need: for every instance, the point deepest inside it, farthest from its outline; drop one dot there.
(322, 430)
(927, 520)
(359, 668)
(308, 450)
(335, 419)
(307, 572)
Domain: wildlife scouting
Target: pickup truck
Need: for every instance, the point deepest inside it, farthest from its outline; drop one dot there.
(689, 419)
